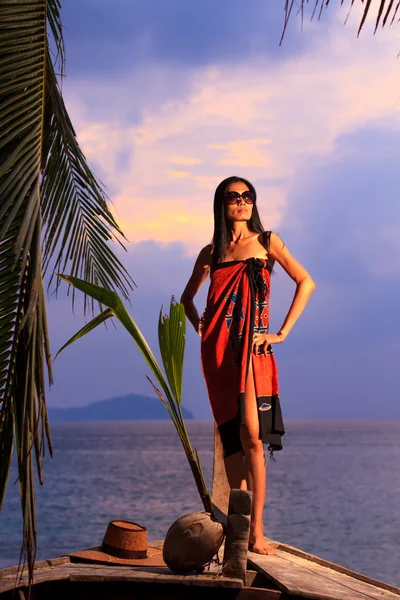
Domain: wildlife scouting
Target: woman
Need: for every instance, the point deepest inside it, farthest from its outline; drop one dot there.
(236, 347)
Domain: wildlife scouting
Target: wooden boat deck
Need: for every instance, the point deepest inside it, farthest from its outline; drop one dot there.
(287, 575)
(79, 581)
(299, 574)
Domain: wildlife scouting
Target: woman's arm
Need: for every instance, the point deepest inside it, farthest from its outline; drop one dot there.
(200, 272)
(304, 287)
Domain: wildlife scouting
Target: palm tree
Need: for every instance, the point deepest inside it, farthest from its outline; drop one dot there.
(386, 11)
(53, 213)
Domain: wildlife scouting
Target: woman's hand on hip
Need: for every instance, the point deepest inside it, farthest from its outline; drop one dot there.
(263, 340)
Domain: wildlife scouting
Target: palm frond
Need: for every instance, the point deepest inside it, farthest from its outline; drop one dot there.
(97, 320)
(77, 222)
(55, 25)
(43, 179)
(389, 7)
(23, 48)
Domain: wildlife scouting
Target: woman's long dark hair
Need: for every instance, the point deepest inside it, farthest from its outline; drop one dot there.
(222, 232)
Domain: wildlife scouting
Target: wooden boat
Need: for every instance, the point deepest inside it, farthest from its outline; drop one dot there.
(289, 574)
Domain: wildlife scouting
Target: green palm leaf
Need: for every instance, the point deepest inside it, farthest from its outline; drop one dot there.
(44, 182)
(98, 319)
(171, 337)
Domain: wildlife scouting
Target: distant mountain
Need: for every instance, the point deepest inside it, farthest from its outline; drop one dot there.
(132, 407)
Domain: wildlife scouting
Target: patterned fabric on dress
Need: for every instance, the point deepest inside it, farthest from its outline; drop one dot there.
(237, 307)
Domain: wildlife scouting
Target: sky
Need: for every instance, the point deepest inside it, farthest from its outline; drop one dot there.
(169, 97)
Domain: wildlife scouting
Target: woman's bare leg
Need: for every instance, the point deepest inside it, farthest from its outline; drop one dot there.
(236, 471)
(255, 466)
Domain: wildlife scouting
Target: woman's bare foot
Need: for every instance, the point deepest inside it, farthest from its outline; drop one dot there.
(260, 545)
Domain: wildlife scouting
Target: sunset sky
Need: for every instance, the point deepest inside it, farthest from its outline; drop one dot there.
(169, 97)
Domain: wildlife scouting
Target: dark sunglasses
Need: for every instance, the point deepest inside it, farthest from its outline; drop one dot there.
(235, 197)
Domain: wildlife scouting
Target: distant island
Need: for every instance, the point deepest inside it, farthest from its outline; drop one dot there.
(132, 407)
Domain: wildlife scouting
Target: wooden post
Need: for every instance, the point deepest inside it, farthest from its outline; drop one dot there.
(237, 534)
(220, 486)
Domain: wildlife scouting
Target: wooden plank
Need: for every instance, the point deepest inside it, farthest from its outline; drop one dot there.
(88, 577)
(85, 572)
(250, 577)
(220, 485)
(258, 580)
(160, 570)
(202, 580)
(49, 574)
(60, 560)
(213, 580)
(62, 571)
(299, 576)
(300, 583)
(249, 593)
(40, 565)
(88, 572)
(143, 577)
(15, 569)
(339, 568)
(135, 572)
(96, 567)
(157, 544)
(356, 584)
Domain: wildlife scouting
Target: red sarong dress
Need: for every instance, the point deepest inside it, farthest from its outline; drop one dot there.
(237, 307)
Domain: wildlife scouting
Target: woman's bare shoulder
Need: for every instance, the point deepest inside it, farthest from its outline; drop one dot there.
(271, 241)
(205, 254)
(208, 249)
(200, 273)
(276, 243)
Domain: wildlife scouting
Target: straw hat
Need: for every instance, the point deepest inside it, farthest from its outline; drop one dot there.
(124, 543)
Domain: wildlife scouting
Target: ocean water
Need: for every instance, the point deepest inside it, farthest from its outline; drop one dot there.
(334, 490)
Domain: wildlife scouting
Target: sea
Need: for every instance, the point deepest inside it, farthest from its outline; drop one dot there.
(334, 490)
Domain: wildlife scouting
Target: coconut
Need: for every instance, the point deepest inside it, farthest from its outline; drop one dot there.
(192, 541)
